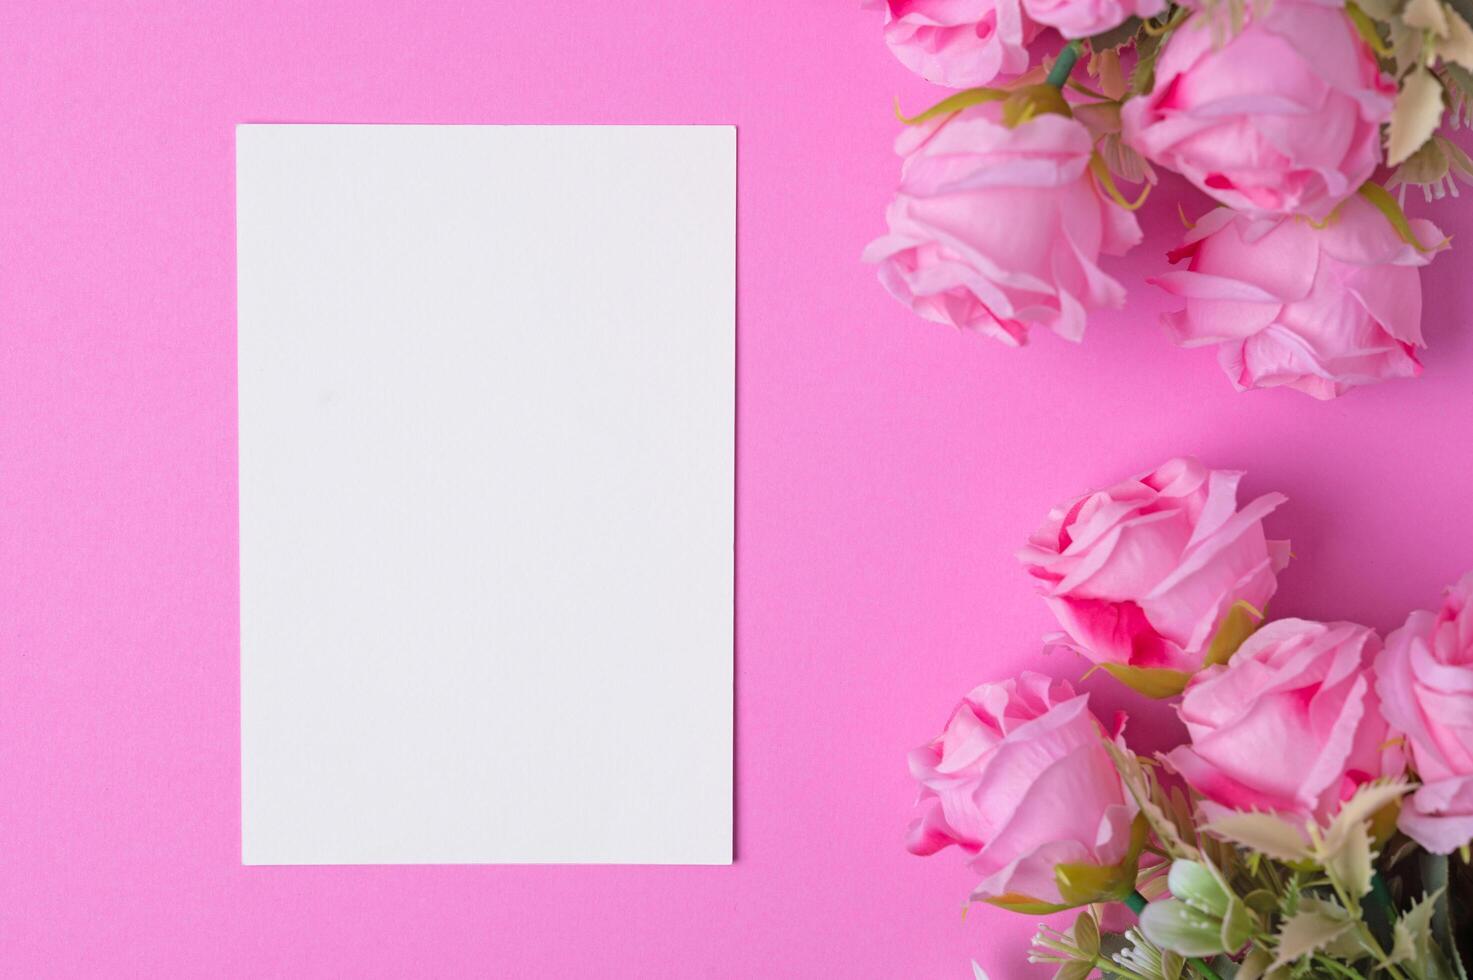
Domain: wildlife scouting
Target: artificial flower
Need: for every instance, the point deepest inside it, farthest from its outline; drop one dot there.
(1319, 309)
(1145, 575)
(1282, 117)
(1425, 680)
(997, 228)
(1085, 18)
(1291, 724)
(1021, 780)
(958, 43)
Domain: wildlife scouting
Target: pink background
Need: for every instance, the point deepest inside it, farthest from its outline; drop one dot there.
(888, 468)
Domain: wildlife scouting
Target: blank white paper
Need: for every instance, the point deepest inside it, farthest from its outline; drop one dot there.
(486, 506)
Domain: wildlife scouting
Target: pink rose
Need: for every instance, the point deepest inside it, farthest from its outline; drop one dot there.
(1085, 18)
(1021, 780)
(1283, 118)
(1291, 724)
(996, 229)
(1320, 310)
(958, 43)
(1143, 575)
(1425, 679)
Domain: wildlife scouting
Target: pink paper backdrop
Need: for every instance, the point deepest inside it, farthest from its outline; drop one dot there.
(888, 468)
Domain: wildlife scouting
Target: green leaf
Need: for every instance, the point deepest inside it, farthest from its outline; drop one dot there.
(1195, 884)
(1262, 900)
(1254, 965)
(953, 103)
(1461, 80)
(1075, 970)
(1085, 884)
(1426, 167)
(1379, 9)
(1377, 196)
(1310, 929)
(1087, 934)
(1175, 925)
(1239, 624)
(1153, 682)
(1237, 925)
(1025, 904)
(1365, 26)
(1143, 75)
(1434, 875)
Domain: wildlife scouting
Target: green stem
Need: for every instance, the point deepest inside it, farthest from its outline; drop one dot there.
(1372, 944)
(1382, 895)
(1059, 73)
(1334, 967)
(1137, 903)
(1434, 876)
(1380, 911)
(1111, 968)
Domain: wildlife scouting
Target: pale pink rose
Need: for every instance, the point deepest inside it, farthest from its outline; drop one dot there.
(1021, 780)
(1282, 118)
(1316, 309)
(996, 229)
(1085, 18)
(1425, 679)
(958, 43)
(1144, 573)
(1291, 724)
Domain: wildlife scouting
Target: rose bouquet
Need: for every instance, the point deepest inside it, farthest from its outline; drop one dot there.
(1315, 821)
(1304, 120)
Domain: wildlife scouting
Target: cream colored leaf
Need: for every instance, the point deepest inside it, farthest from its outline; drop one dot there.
(1262, 832)
(1368, 801)
(1426, 15)
(1348, 862)
(1457, 46)
(1310, 929)
(1415, 116)
(1406, 46)
(1413, 932)
(1142, 789)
